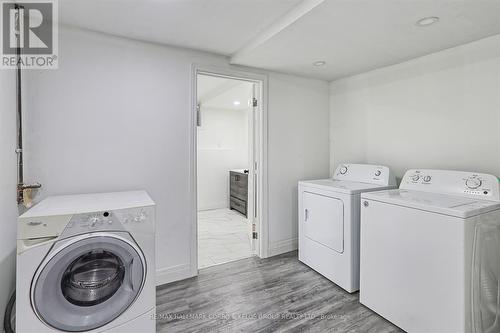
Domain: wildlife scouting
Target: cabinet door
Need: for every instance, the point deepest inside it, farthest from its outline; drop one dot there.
(324, 220)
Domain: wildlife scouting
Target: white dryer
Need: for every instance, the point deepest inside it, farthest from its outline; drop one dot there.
(417, 248)
(86, 263)
(329, 220)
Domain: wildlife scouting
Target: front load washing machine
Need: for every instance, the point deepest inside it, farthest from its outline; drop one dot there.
(329, 220)
(86, 263)
(417, 249)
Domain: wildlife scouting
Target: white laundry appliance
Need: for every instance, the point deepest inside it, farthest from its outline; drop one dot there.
(329, 220)
(86, 263)
(486, 276)
(417, 248)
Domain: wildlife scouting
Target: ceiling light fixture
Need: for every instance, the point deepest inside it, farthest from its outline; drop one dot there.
(319, 63)
(426, 21)
(236, 103)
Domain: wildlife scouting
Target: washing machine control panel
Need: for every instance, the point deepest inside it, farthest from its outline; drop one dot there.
(119, 220)
(89, 222)
(467, 184)
(364, 173)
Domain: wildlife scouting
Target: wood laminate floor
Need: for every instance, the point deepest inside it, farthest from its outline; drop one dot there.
(279, 294)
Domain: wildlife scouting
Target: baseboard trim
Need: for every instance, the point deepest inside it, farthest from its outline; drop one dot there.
(172, 274)
(283, 246)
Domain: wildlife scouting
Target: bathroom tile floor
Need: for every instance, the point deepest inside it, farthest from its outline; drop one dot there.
(223, 236)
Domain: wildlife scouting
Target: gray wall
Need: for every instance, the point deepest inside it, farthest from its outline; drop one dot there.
(8, 180)
(115, 116)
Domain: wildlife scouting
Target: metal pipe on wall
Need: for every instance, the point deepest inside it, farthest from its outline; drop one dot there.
(21, 186)
(19, 148)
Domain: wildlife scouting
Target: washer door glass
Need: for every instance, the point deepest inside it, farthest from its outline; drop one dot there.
(89, 283)
(93, 278)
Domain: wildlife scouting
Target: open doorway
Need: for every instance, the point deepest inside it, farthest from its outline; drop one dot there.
(228, 150)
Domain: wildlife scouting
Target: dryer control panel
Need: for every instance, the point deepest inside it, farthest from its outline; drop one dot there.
(460, 183)
(365, 173)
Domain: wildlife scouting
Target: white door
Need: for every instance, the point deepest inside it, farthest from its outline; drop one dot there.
(254, 174)
(88, 283)
(324, 220)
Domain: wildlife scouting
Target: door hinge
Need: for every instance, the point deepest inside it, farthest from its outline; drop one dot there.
(255, 235)
(198, 115)
(255, 103)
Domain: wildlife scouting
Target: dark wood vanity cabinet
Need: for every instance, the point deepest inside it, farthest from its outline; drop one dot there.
(238, 196)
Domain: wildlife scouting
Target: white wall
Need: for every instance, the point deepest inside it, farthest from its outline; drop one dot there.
(116, 116)
(8, 180)
(439, 111)
(298, 150)
(222, 146)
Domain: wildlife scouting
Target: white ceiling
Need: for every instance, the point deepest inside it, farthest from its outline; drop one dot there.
(355, 36)
(221, 93)
(352, 36)
(218, 26)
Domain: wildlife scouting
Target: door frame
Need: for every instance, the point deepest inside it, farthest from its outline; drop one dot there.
(263, 185)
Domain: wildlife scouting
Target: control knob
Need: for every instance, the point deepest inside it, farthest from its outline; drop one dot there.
(343, 170)
(142, 216)
(427, 179)
(378, 173)
(94, 221)
(473, 183)
(415, 178)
